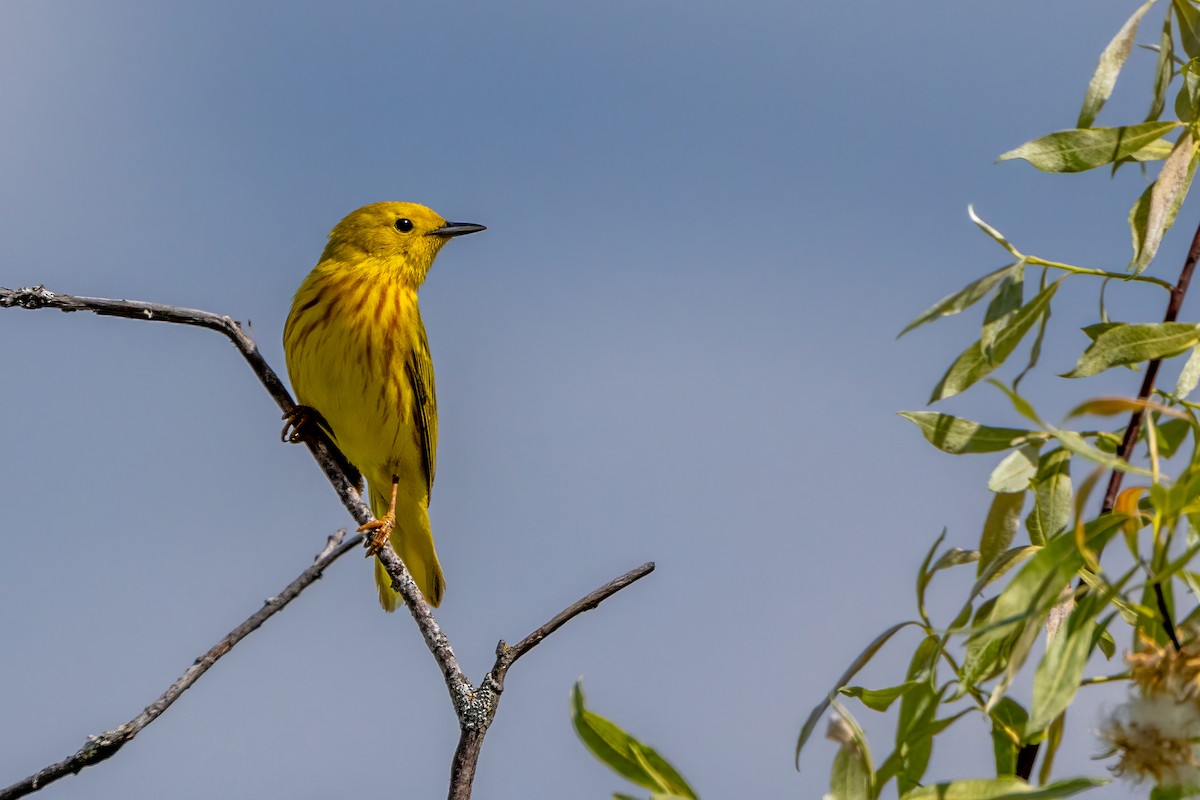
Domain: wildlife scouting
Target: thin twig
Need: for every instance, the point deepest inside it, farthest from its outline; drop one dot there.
(99, 748)
(474, 727)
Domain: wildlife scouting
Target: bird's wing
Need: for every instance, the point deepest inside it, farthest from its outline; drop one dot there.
(420, 373)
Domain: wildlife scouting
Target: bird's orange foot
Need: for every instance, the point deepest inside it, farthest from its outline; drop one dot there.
(382, 530)
(296, 422)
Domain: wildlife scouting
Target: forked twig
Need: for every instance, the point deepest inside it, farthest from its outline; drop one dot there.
(474, 707)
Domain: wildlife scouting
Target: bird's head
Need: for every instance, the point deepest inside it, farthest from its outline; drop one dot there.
(399, 238)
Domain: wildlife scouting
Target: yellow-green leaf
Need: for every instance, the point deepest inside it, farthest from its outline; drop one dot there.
(1190, 376)
(1002, 789)
(625, 755)
(1122, 345)
(1164, 69)
(1154, 212)
(974, 364)
(1075, 442)
(861, 661)
(1111, 60)
(1052, 496)
(957, 435)
(1057, 678)
(1016, 470)
(1082, 149)
(963, 299)
(878, 699)
(1000, 527)
(1189, 26)
(1036, 587)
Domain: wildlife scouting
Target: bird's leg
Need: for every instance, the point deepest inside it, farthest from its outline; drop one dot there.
(382, 527)
(296, 422)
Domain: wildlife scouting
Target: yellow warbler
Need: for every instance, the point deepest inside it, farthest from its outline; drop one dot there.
(359, 364)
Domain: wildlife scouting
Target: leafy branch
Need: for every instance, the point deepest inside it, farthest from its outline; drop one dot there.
(1053, 585)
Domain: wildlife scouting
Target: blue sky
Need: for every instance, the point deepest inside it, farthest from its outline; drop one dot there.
(676, 342)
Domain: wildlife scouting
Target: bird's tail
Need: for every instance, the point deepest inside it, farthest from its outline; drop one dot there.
(413, 541)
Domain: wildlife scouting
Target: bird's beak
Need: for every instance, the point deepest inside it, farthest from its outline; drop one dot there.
(457, 229)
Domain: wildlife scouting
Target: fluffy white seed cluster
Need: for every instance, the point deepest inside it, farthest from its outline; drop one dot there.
(1156, 733)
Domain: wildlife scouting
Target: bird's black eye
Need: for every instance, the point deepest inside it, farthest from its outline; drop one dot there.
(403, 225)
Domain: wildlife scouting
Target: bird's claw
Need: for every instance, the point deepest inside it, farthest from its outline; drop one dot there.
(381, 530)
(295, 422)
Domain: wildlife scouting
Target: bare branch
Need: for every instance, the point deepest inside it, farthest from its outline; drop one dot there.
(98, 748)
(474, 707)
(585, 603)
(474, 726)
(326, 454)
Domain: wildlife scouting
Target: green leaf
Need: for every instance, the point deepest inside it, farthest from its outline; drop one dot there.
(1187, 101)
(963, 299)
(1000, 527)
(861, 661)
(851, 777)
(1096, 330)
(1008, 720)
(1019, 647)
(973, 364)
(1154, 212)
(1015, 470)
(1155, 151)
(1189, 26)
(1079, 446)
(982, 663)
(955, 557)
(1003, 789)
(1189, 376)
(1015, 619)
(1111, 60)
(878, 699)
(918, 707)
(1124, 344)
(1057, 677)
(1170, 434)
(1050, 748)
(625, 755)
(1037, 586)
(1020, 404)
(1164, 69)
(925, 574)
(1006, 561)
(956, 435)
(1087, 148)
(1106, 644)
(1035, 350)
(1005, 304)
(1052, 496)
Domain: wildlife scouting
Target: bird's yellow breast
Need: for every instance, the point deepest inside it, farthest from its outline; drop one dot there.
(350, 338)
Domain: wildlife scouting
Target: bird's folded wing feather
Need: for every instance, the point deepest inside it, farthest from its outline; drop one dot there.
(420, 372)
